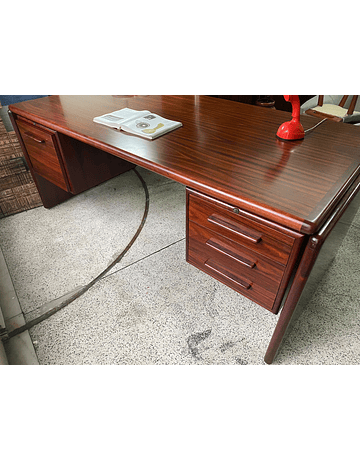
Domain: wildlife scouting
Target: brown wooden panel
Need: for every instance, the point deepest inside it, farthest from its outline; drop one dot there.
(310, 269)
(42, 152)
(261, 239)
(51, 195)
(249, 282)
(225, 149)
(249, 261)
(246, 99)
(240, 249)
(87, 166)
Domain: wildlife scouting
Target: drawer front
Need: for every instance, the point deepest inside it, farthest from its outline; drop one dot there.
(264, 240)
(248, 261)
(244, 271)
(41, 148)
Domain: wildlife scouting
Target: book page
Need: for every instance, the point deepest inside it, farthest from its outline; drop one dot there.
(150, 125)
(115, 119)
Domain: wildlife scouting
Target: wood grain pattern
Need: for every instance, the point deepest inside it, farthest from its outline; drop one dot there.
(50, 194)
(225, 149)
(271, 243)
(251, 282)
(240, 230)
(87, 166)
(334, 228)
(262, 267)
(57, 161)
(43, 153)
(254, 263)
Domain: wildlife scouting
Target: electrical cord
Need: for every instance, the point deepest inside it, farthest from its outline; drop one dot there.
(310, 129)
(82, 290)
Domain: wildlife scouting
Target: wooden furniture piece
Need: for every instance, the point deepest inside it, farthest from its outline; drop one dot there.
(280, 103)
(259, 210)
(332, 111)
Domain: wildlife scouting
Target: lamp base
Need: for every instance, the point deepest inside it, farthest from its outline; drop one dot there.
(291, 131)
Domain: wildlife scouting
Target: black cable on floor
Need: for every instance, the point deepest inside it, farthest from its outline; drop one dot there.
(82, 290)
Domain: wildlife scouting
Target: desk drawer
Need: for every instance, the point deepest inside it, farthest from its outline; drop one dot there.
(43, 153)
(231, 263)
(253, 256)
(220, 218)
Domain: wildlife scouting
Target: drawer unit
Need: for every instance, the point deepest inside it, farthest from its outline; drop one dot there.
(42, 150)
(238, 268)
(251, 257)
(221, 218)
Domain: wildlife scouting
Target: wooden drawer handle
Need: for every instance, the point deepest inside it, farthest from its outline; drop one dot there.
(227, 275)
(228, 252)
(251, 235)
(36, 139)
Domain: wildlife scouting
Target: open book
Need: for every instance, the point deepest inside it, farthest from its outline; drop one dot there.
(139, 122)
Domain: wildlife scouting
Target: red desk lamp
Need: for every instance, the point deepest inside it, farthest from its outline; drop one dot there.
(292, 130)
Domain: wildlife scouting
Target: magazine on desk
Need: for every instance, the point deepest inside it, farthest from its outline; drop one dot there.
(139, 122)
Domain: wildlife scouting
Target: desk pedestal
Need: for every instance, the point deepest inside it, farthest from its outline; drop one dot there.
(62, 166)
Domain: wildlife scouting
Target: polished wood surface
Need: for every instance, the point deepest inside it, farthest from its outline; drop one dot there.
(225, 266)
(260, 238)
(225, 149)
(43, 153)
(280, 103)
(245, 271)
(252, 256)
(319, 250)
(60, 163)
(87, 166)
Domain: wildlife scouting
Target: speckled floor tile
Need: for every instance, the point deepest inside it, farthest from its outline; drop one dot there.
(154, 308)
(50, 252)
(165, 224)
(158, 311)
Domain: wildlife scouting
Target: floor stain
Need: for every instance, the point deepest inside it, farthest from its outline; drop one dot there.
(194, 340)
(241, 361)
(226, 346)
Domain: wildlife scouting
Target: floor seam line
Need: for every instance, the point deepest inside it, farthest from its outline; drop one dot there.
(43, 306)
(143, 258)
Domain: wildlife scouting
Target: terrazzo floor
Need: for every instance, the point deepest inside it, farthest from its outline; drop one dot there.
(153, 307)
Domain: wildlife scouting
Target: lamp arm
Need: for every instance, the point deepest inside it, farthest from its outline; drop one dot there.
(295, 102)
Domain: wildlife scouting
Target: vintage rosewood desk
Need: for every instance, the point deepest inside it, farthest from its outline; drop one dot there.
(258, 209)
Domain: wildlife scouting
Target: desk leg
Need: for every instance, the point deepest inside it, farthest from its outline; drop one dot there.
(317, 257)
(50, 194)
(287, 313)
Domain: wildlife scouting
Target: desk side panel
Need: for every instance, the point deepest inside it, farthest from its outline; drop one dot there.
(88, 166)
(316, 259)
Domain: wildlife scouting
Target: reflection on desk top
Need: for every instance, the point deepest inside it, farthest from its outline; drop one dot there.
(225, 149)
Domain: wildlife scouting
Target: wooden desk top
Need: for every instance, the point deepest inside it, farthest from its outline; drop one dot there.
(225, 149)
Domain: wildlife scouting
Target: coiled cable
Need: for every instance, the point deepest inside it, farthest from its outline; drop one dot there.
(84, 289)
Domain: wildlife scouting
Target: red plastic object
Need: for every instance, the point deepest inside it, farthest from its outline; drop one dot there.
(292, 130)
